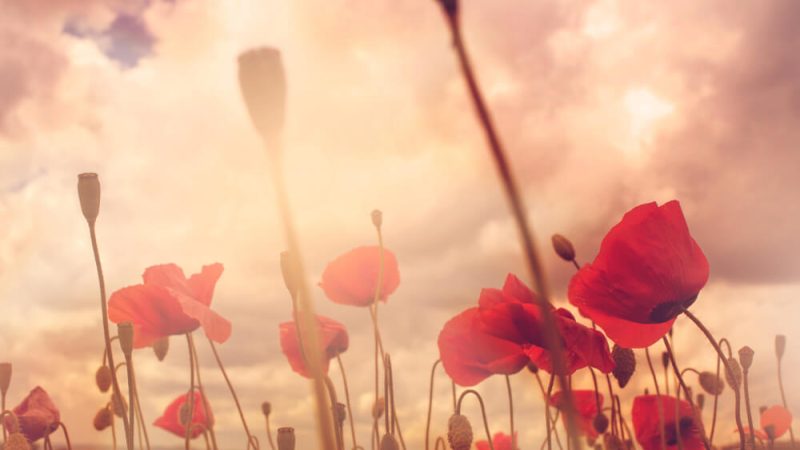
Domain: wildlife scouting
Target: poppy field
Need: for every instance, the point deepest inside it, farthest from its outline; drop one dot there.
(599, 365)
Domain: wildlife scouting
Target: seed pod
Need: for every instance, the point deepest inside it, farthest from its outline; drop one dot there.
(710, 383)
(600, 423)
(701, 400)
(378, 408)
(780, 345)
(5, 377)
(102, 378)
(266, 408)
(17, 441)
(625, 364)
(459, 432)
(89, 196)
(125, 333)
(263, 84)
(161, 348)
(285, 438)
(746, 357)
(377, 218)
(103, 419)
(734, 379)
(563, 247)
(388, 442)
(119, 405)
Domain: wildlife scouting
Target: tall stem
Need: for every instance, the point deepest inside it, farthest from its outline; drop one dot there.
(714, 413)
(483, 413)
(131, 397)
(430, 406)
(188, 431)
(731, 373)
(250, 437)
(659, 401)
(511, 413)
(347, 400)
(747, 407)
(269, 433)
(206, 406)
(783, 399)
(106, 333)
(552, 338)
(686, 392)
(333, 399)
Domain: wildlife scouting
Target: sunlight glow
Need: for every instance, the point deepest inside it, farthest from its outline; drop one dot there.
(644, 109)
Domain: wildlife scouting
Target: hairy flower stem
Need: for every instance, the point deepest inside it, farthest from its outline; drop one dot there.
(552, 339)
(453, 390)
(745, 372)
(66, 435)
(269, 433)
(714, 413)
(511, 412)
(113, 431)
(202, 390)
(333, 401)
(188, 425)
(132, 397)
(373, 311)
(430, 406)
(251, 440)
(597, 398)
(106, 333)
(347, 400)
(483, 413)
(659, 401)
(730, 371)
(686, 392)
(307, 321)
(783, 399)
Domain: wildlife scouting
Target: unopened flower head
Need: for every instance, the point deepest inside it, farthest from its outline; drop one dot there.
(161, 348)
(710, 383)
(263, 83)
(89, 196)
(563, 247)
(625, 364)
(286, 438)
(459, 432)
(103, 378)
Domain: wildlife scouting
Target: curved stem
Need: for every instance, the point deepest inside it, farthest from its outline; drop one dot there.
(686, 392)
(430, 406)
(269, 434)
(728, 368)
(440, 441)
(188, 426)
(783, 399)
(511, 413)
(66, 435)
(659, 401)
(547, 412)
(483, 413)
(250, 442)
(206, 406)
(131, 397)
(334, 401)
(747, 407)
(714, 414)
(113, 431)
(347, 400)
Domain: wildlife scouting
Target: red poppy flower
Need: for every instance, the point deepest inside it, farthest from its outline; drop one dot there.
(777, 417)
(352, 278)
(172, 421)
(586, 406)
(333, 337)
(37, 414)
(648, 268)
(168, 303)
(503, 334)
(500, 441)
(647, 428)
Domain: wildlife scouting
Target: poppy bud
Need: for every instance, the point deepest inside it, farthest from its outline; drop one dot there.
(119, 405)
(5, 377)
(286, 438)
(103, 378)
(734, 379)
(701, 400)
(103, 419)
(600, 423)
(377, 218)
(263, 83)
(563, 247)
(459, 432)
(665, 359)
(125, 333)
(266, 408)
(161, 347)
(340, 413)
(746, 357)
(533, 368)
(625, 364)
(780, 345)
(89, 196)
(17, 441)
(289, 272)
(388, 442)
(710, 383)
(377, 408)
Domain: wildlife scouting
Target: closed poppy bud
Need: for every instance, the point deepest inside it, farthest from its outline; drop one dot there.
(119, 405)
(266, 408)
(625, 364)
(377, 218)
(600, 423)
(746, 357)
(780, 345)
(125, 333)
(563, 247)
(711, 383)
(89, 195)
(289, 272)
(701, 400)
(734, 379)
(161, 347)
(263, 84)
(17, 441)
(103, 378)
(377, 408)
(388, 442)
(5, 377)
(103, 419)
(286, 438)
(459, 432)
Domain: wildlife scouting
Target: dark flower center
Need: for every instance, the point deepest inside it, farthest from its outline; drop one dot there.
(669, 310)
(682, 430)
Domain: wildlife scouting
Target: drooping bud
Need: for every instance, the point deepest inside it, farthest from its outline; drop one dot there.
(600, 423)
(125, 333)
(289, 272)
(780, 345)
(103, 378)
(17, 441)
(664, 360)
(5, 377)
(700, 400)
(89, 196)
(119, 405)
(377, 218)
(378, 407)
(103, 419)
(286, 438)
(625, 364)
(734, 379)
(533, 368)
(161, 348)
(388, 442)
(710, 383)
(459, 432)
(263, 84)
(266, 408)
(746, 357)
(563, 247)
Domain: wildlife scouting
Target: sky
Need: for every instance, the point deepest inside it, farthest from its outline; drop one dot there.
(601, 104)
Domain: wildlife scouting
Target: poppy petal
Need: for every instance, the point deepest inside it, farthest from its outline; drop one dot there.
(352, 278)
(154, 311)
(779, 418)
